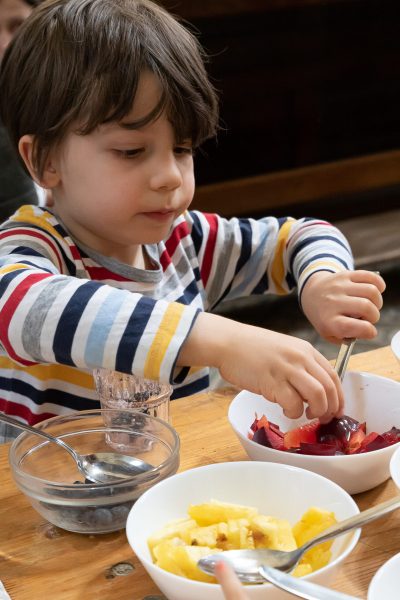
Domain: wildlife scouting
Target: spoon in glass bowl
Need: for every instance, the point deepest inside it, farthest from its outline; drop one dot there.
(99, 467)
(248, 563)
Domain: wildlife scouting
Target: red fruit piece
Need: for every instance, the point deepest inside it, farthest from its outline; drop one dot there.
(306, 434)
(258, 423)
(355, 441)
(319, 449)
(341, 429)
(268, 438)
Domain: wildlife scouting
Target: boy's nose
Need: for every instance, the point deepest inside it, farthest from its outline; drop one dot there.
(166, 175)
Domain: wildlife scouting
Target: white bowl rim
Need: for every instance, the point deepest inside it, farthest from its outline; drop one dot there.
(312, 457)
(395, 344)
(352, 543)
(380, 573)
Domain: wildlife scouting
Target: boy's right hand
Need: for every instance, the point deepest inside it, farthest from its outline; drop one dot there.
(282, 368)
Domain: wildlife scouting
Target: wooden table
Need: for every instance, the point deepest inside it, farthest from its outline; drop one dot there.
(38, 560)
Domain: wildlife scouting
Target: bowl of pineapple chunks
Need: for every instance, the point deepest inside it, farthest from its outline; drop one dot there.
(232, 506)
(353, 451)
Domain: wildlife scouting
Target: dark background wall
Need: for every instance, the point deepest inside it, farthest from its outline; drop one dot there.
(302, 83)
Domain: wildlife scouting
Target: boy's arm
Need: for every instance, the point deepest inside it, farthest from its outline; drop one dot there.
(284, 369)
(239, 257)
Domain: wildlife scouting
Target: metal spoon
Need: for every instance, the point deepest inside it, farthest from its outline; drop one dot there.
(247, 563)
(342, 360)
(301, 587)
(100, 467)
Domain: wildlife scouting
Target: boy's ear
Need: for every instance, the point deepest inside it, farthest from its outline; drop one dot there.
(50, 176)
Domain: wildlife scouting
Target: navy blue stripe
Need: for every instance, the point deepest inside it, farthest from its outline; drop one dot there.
(133, 332)
(245, 250)
(192, 388)
(262, 286)
(69, 321)
(49, 395)
(6, 279)
(24, 250)
(197, 234)
(189, 294)
(309, 242)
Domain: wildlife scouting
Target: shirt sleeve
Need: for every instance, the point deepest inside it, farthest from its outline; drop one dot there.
(49, 316)
(240, 257)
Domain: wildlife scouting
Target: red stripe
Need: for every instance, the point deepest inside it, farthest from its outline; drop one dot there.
(165, 260)
(35, 234)
(210, 247)
(19, 410)
(8, 312)
(100, 273)
(75, 252)
(180, 232)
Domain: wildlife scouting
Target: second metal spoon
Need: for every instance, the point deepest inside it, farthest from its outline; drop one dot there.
(247, 563)
(342, 360)
(100, 467)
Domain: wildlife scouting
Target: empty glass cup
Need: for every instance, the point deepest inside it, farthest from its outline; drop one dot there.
(120, 391)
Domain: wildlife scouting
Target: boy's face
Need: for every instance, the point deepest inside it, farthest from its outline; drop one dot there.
(116, 188)
(12, 14)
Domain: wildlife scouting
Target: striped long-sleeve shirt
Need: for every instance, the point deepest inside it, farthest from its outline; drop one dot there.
(65, 309)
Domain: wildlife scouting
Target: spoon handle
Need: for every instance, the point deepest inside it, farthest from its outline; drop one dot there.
(6, 419)
(364, 517)
(345, 351)
(300, 587)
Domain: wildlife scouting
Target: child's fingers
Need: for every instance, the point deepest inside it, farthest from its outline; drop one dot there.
(291, 401)
(231, 586)
(362, 276)
(369, 292)
(319, 392)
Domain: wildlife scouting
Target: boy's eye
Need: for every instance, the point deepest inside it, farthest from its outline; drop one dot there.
(129, 153)
(184, 150)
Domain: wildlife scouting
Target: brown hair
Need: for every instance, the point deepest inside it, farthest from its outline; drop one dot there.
(78, 62)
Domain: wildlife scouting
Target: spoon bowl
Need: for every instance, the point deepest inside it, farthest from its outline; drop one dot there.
(248, 563)
(102, 467)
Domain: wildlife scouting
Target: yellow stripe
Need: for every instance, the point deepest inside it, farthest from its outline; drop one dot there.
(44, 372)
(278, 269)
(26, 214)
(162, 340)
(15, 267)
(322, 263)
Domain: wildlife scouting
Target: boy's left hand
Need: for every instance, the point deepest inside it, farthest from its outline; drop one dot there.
(343, 305)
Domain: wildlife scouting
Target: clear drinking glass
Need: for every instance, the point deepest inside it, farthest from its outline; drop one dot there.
(120, 391)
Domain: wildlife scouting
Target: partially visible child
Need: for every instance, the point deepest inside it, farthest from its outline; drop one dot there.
(16, 187)
(231, 586)
(106, 101)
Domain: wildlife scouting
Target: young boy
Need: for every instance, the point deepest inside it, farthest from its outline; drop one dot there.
(106, 101)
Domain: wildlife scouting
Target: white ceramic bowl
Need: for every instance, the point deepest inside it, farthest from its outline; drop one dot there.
(275, 489)
(385, 584)
(368, 397)
(395, 467)
(395, 345)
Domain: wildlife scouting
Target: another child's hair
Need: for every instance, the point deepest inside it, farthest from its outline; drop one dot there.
(77, 63)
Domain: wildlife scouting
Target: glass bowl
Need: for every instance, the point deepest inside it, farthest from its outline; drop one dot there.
(50, 479)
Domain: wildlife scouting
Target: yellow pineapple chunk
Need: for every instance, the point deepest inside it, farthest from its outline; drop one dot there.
(182, 560)
(313, 522)
(302, 569)
(269, 532)
(236, 535)
(215, 512)
(175, 528)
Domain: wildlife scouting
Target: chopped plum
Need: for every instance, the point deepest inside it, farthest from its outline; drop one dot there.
(305, 434)
(341, 436)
